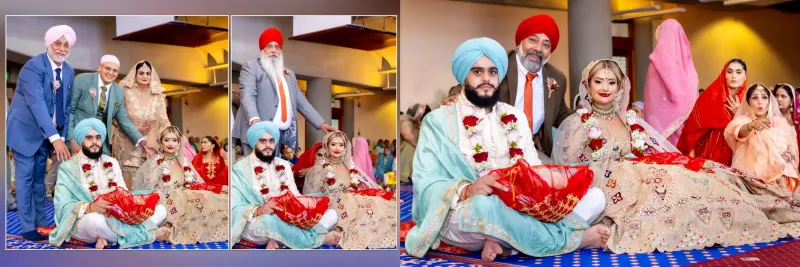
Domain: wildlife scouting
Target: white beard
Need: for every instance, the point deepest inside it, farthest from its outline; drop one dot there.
(272, 66)
(55, 57)
(521, 56)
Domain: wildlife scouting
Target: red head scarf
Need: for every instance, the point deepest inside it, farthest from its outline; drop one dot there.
(710, 115)
(307, 159)
(220, 170)
(268, 36)
(538, 24)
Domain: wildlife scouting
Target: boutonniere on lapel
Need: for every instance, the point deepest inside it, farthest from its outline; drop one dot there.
(93, 93)
(286, 72)
(552, 85)
(116, 105)
(56, 85)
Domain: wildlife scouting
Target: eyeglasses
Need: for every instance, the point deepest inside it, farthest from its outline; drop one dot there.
(108, 69)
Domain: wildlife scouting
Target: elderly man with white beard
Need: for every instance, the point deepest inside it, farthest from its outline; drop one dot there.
(269, 92)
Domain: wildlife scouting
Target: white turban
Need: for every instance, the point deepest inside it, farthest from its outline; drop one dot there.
(56, 32)
(109, 58)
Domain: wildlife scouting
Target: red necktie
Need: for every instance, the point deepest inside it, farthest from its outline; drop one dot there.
(283, 98)
(528, 109)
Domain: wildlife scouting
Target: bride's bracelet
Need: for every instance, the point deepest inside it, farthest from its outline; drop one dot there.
(463, 196)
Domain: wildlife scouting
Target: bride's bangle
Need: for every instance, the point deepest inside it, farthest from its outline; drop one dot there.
(466, 189)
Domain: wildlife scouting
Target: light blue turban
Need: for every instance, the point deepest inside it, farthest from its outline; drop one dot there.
(258, 129)
(473, 49)
(86, 125)
(639, 104)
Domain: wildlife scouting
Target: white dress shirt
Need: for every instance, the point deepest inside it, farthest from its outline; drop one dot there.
(538, 94)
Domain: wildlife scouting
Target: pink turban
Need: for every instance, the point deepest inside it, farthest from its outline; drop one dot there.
(56, 32)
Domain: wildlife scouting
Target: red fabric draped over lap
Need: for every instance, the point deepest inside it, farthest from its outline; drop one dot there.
(673, 158)
(216, 188)
(547, 192)
(375, 192)
(129, 208)
(302, 211)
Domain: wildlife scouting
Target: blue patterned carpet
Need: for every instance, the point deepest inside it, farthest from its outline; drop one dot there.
(14, 238)
(586, 257)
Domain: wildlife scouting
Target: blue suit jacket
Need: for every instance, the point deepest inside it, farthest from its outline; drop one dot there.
(30, 117)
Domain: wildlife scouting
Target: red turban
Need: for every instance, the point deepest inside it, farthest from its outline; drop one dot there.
(268, 36)
(538, 24)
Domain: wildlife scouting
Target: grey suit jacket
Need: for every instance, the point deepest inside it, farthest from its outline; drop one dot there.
(85, 106)
(259, 98)
(555, 110)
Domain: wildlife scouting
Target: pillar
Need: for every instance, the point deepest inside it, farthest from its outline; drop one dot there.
(643, 44)
(318, 93)
(349, 120)
(589, 37)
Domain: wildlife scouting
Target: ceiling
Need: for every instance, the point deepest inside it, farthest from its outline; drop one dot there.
(352, 36)
(177, 33)
(789, 6)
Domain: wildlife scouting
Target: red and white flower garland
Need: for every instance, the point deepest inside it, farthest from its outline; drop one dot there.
(188, 174)
(87, 167)
(472, 127)
(261, 176)
(596, 141)
(331, 179)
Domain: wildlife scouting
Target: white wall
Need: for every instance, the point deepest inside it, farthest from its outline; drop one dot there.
(305, 58)
(26, 35)
(432, 30)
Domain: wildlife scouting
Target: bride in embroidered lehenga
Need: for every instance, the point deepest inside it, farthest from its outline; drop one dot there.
(661, 201)
(366, 222)
(147, 109)
(197, 212)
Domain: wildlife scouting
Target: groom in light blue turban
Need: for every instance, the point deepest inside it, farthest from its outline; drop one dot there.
(480, 65)
(255, 180)
(454, 201)
(81, 180)
(92, 149)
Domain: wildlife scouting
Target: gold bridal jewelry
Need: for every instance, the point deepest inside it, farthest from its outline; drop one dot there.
(170, 157)
(606, 114)
(335, 162)
(140, 94)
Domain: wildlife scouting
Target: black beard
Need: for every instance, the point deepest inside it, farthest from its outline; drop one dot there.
(481, 101)
(90, 154)
(265, 158)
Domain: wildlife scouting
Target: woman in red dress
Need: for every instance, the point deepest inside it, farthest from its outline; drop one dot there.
(305, 162)
(703, 131)
(211, 163)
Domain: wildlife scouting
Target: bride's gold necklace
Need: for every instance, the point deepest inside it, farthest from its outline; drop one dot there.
(172, 157)
(335, 163)
(139, 93)
(606, 114)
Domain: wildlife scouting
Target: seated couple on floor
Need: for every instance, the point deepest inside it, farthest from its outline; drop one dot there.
(94, 205)
(644, 196)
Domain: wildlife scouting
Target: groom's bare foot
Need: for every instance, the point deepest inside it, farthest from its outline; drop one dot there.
(595, 237)
(491, 249)
(101, 243)
(163, 233)
(272, 244)
(332, 238)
